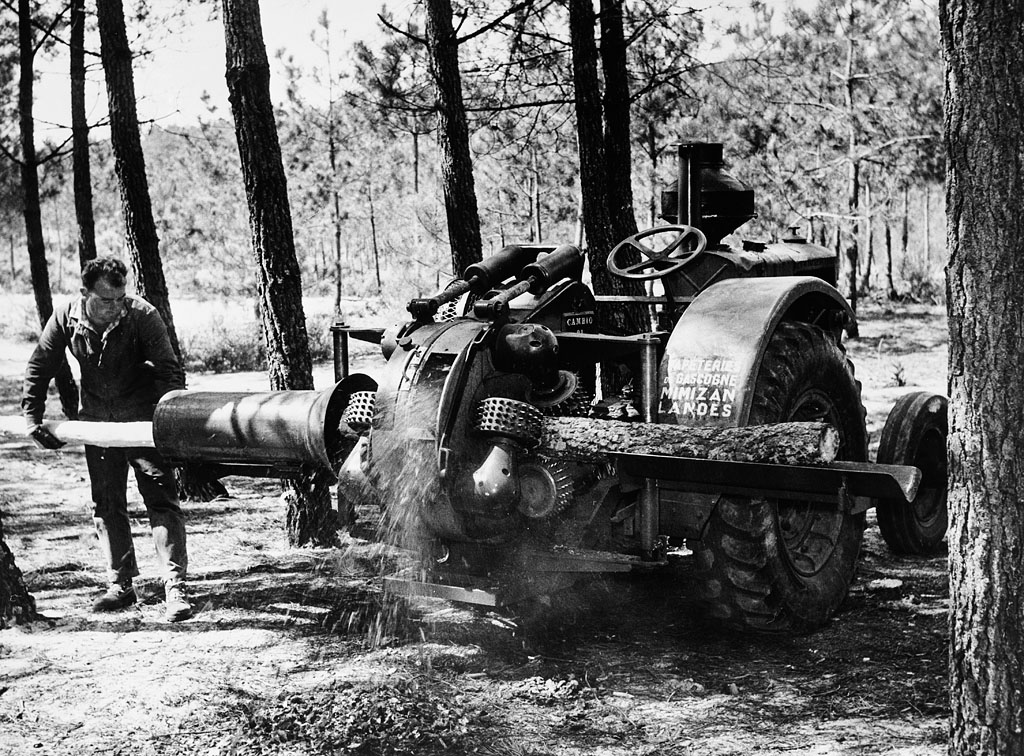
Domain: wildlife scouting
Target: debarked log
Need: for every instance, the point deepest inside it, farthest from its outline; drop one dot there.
(588, 440)
(107, 434)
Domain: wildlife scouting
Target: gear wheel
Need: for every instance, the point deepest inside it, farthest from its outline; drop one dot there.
(545, 489)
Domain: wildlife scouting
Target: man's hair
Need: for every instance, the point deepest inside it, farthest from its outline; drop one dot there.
(107, 267)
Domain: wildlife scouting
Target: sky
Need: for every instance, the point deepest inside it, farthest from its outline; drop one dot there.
(171, 81)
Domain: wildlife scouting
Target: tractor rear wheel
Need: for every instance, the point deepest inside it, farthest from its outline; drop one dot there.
(775, 565)
(915, 434)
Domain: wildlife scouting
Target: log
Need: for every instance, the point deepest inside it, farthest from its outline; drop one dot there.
(589, 440)
(572, 438)
(126, 435)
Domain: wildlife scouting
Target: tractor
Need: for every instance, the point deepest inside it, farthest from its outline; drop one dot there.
(521, 449)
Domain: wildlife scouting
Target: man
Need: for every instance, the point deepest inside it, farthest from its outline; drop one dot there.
(127, 364)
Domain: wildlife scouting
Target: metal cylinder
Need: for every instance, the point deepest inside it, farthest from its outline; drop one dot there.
(278, 429)
(649, 378)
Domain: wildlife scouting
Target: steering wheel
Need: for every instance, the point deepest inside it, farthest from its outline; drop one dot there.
(688, 243)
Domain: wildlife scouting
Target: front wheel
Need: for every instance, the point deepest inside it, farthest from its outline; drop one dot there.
(774, 565)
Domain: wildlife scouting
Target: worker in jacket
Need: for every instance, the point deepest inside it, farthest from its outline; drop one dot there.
(127, 364)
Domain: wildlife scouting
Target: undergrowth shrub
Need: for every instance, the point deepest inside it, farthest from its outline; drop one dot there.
(230, 346)
(321, 341)
(921, 284)
(224, 348)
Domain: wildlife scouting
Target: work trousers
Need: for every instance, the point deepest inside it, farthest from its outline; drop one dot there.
(108, 473)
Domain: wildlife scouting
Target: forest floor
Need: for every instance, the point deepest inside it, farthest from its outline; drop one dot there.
(286, 655)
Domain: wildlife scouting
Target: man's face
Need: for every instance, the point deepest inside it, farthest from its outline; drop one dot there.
(103, 302)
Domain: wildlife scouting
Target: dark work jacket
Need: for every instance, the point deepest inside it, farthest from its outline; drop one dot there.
(125, 370)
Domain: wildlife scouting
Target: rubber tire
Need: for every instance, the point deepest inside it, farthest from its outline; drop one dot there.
(915, 434)
(748, 574)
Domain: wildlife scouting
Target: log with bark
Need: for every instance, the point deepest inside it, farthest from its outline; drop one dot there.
(573, 438)
(588, 440)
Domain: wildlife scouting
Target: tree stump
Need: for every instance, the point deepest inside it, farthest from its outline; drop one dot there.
(17, 606)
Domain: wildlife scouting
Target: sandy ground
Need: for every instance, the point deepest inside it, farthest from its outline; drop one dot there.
(617, 667)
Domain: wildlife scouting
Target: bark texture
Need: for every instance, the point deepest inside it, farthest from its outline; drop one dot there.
(66, 387)
(583, 439)
(601, 233)
(309, 518)
(984, 52)
(130, 163)
(16, 604)
(617, 136)
(80, 137)
(453, 138)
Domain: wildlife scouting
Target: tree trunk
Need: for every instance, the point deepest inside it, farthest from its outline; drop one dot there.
(888, 263)
(617, 136)
(16, 604)
(538, 235)
(853, 176)
(130, 164)
(373, 233)
(416, 162)
(869, 244)
(453, 138)
(905, 227)
(332, 149)
(584, 439)
(309, 515)
(852, 253)
(984, 53)
(80, 137)
(193, 481)
(926, 246)
(66, 387)
(597, 212)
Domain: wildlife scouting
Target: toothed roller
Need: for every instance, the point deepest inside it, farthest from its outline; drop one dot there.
(577, 404)
(515, 420)
(546, 489)
(358, 415)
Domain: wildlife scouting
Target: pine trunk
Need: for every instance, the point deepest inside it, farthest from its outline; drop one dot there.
(453, 138)
(984, 52)
(310, 516)
(927, 242)
(601, 233)
(618, 148)
(80, 138)
(617, 136)
(852, 250)
(853, 176)
(130, 164)
(869, 240)
(905, 226)
(888, 262)
(66, 387)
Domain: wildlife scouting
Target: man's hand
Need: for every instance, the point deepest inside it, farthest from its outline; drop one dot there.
(43, 438)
